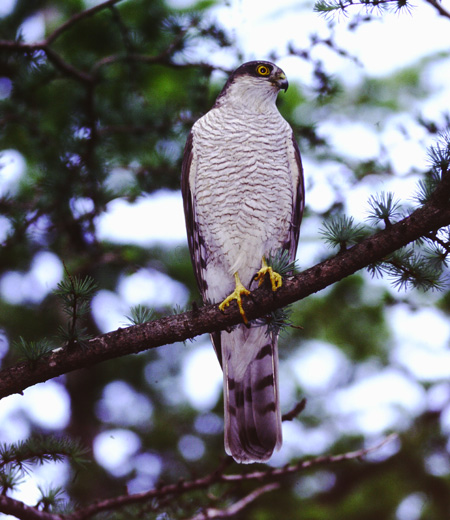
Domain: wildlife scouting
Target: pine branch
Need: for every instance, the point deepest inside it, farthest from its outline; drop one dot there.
(91, 78)
(77, 17)
(439, 7)
(31, 351)
(383, 209)
(76, 294)
(140, 314)
(10, 506)
(340, 231)
(218, 476)
(325, 7)
(133, 57)
(236, 507)
(432, 216)
(38, 450)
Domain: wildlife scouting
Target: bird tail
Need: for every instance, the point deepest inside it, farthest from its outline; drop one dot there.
(252, 406)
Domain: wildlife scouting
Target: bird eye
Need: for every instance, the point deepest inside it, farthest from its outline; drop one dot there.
(263, 70)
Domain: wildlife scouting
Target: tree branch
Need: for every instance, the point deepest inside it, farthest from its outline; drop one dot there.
(439, 7)
(53, 57)
(77, 17)
(81, 76)
(236, 506)
(430, 217)
(295, 412)
(324, 459)
(16, 508)
(218, 476)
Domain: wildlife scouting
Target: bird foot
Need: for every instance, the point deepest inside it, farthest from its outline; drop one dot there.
(275, 278)
(236, 295)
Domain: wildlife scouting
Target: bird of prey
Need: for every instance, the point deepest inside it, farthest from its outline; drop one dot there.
(243, 194)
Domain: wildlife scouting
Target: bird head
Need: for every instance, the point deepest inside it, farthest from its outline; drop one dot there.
(254, 82)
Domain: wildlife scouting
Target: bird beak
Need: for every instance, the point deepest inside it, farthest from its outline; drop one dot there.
(281, 81)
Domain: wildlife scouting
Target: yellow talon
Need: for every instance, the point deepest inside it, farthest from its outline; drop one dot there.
(236, 295)
(275, 279)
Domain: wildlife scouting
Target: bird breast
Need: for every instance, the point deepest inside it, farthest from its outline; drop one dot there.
(243, 192)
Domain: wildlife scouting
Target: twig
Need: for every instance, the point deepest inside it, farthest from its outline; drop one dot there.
(325, 459)
(218, 477)
(297, 410)
(76, 18)
(53, 56)
(159, 58)
(438, 6)
(24, 512)
(237, 506)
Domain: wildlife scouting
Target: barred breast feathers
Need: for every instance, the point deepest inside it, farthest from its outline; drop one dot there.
(243, 166)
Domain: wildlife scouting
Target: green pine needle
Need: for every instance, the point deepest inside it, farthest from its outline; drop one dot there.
(71, 335)
(32, 351)
(437, 256)
(341, 232)
(410, 269)
(50, 498)
(281, 263)
(76, 295)
(439, 155)
(39, 450)
(9, 480)
(426, 187)
(140, 314)
(276, 322)
(384, 209)
(325, 7)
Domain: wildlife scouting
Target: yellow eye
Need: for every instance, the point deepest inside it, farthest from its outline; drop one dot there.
(263, 70)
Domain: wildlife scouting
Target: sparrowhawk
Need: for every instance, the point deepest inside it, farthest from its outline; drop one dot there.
(243, 194)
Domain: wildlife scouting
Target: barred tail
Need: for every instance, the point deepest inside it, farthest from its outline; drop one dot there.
(252, 408)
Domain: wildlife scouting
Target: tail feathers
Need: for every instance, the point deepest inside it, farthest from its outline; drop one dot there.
(252, 410)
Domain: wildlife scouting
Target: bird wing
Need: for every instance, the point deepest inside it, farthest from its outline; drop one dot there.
(195, 239)
(299, 201)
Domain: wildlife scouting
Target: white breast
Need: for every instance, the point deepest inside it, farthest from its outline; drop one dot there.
(243, 190)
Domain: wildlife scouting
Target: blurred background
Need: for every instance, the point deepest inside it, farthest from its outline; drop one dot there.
(90, 156)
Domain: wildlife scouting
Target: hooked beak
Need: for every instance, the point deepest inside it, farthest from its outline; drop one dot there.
(281, 81)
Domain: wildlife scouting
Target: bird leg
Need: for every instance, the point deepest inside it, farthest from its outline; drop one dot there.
(236, 295)
(275, 278)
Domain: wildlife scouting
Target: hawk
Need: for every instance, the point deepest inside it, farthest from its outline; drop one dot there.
(243, 195)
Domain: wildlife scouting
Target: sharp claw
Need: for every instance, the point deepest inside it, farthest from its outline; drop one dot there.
(236, 295)
(275, 278)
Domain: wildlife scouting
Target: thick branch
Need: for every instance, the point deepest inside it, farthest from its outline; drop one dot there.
(432, 216)
(13, 507)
